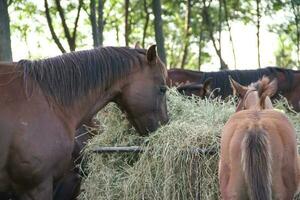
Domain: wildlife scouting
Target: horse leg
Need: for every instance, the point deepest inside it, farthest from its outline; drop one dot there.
(232, 186)
(223, 178)
(43, 191)
(285, 183)
(69, 187)
(298, 175)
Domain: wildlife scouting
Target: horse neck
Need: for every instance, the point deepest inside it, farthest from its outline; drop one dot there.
(268, 103)
(84, 109)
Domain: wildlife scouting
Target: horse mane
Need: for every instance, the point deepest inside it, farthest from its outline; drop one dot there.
(66, 77)
(245, 77)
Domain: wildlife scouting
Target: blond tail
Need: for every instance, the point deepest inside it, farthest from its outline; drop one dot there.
(256, 162)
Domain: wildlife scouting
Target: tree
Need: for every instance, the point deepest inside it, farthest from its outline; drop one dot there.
(5, 42)
(209, 27)
(187, 32)
(70, 36)
(126, 22)
(258, 18)
(94, 25)
(296, 13)
(229, 30)
(97, 25)
(158, 27)
(146, 22)
(100, 21)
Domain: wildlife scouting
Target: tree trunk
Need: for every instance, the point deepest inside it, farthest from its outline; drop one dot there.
(71, 38)
(100, 21)
(117, 33)
(5, 42)
(258, 16)
(200, 48)
(220, 34)
(50, 25)
(126, 23)
(93, 18)
(208, 24)
(296, 18)
(187, 33)
(74, 34)
(158, 26)
(229, 30)
(146, 23)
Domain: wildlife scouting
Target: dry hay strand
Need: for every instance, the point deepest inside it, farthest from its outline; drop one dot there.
(168, 169)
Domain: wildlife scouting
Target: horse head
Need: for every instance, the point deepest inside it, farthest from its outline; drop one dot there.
(143, 97)
(198, 89)
(255, 96)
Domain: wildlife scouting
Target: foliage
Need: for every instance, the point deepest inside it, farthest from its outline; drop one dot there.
(29, 18)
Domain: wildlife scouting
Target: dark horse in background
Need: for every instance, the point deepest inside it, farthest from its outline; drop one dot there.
(288, 81)
(43, 102)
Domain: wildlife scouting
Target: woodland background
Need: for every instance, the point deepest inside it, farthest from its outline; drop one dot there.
(188, 33)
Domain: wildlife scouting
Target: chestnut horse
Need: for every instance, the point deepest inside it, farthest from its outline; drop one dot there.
(68, 188)
(43, 102)
(288, 81)
(259, 158)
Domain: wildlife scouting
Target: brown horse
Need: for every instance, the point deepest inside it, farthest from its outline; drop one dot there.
(259, 158)
(288, 81)
(43, 102)
(182, 76)
(198, 89)
(68, 188)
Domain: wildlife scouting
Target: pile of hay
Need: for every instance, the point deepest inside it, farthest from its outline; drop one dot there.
(169, 168)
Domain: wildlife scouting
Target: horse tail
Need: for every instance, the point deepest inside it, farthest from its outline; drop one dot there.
(256, 163)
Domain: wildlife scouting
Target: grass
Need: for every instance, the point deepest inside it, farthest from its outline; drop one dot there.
(168, 169)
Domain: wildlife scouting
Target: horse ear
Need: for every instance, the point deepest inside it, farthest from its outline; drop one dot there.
(207, 84)
(238, 89)
(272, 87)
(152, 54)
(269, 91)
(269, 88)
(137, 45)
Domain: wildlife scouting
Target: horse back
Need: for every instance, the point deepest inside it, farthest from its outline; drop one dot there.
(181, 76)
(279, 129)
(281, 139)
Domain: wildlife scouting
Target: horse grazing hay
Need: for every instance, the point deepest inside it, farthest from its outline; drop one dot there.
(168, 169)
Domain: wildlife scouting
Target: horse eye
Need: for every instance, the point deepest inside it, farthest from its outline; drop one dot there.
(163, 89)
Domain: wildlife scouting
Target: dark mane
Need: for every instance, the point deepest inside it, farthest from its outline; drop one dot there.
(245, 77)
(72, 75)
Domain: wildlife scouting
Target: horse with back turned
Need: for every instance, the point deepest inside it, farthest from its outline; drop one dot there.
(259, 158)
(43, 102)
